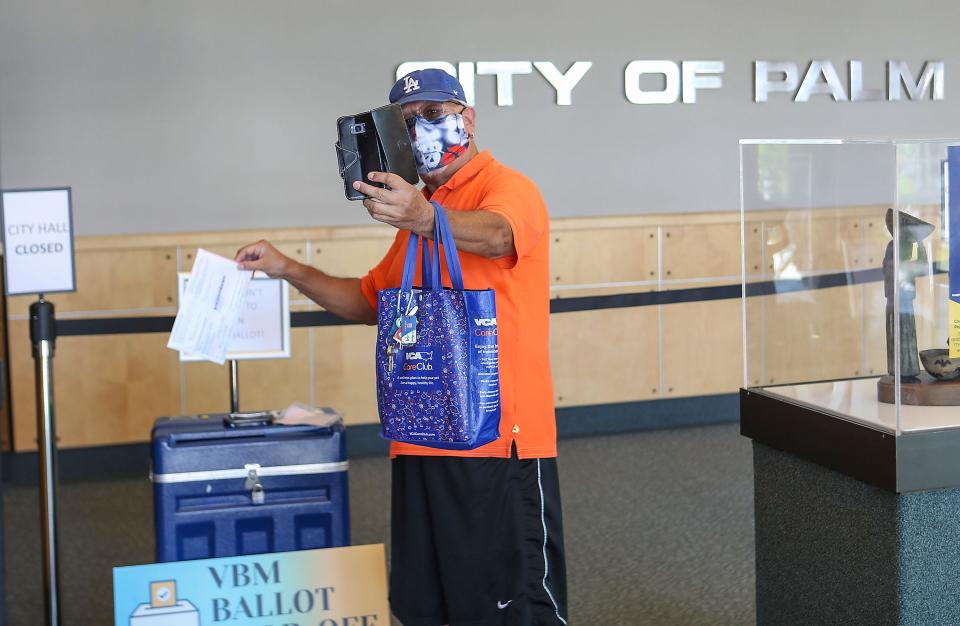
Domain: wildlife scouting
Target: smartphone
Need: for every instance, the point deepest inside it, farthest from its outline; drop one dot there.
(374, 141)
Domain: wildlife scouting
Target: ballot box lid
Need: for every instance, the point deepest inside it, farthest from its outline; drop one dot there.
(203, 443)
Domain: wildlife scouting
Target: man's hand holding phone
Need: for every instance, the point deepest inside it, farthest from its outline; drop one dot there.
(401, 204)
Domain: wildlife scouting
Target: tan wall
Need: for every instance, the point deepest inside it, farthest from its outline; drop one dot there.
(109, 389)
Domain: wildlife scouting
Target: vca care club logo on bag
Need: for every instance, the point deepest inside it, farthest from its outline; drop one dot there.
(420, 360)
(421, 369)
(486, 326)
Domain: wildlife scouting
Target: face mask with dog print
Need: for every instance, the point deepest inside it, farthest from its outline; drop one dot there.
(438, 143)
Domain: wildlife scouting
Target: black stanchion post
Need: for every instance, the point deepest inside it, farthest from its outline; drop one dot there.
(43, 335)
(3, 559)
(234, 386)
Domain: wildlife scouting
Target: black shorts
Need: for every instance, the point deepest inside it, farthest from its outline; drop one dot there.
(477, 542)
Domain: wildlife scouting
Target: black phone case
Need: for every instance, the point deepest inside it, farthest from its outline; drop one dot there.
(374, 141)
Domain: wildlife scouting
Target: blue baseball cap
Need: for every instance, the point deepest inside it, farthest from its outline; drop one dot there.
(429, 84)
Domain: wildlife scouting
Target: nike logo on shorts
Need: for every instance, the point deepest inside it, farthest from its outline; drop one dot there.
(503, 605)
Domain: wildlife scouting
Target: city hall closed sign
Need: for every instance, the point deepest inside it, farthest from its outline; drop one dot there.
(38, 241)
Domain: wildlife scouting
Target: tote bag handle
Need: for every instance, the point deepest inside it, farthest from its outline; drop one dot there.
(430, 266)
(442, 234)
(430, 275)
(430, 259)
(410, 263)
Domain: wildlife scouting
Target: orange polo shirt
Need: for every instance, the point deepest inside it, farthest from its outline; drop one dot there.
(522, 286)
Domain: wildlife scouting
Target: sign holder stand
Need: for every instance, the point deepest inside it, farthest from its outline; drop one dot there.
(3, 559)
(37, 237)
(234, 386)
(43, 335)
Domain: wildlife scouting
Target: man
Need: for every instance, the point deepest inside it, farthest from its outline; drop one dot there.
(476, 535)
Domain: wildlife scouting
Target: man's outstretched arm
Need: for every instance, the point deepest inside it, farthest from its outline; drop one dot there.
(340, 296)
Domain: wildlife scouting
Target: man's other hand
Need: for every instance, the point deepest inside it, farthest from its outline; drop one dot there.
(400, 205)
(264, 257)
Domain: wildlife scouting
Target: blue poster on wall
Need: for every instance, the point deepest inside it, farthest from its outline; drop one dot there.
(953, 206)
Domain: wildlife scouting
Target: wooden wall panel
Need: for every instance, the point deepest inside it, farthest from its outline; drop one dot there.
(611, 355)
(349, 258)
(755, 340)
(805, 243)
(702, 348)
(115, 279)
(836, 245)
(264, 385)
(293, 249)
(875, 240)
(603, 255)
(344, 376)
(812, 335)
(22, 385)
(874, 338)
(108, 389)
(206, 388)
(753, 233)
(701, 251)
(275, 383)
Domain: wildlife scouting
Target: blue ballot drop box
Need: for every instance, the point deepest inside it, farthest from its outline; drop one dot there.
(228, 490)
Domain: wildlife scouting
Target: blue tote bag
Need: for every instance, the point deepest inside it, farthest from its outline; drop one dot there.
(438, 372)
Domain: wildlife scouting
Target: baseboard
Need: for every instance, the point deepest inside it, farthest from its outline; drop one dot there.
(81, 464)
(133, 460)
(624, 417)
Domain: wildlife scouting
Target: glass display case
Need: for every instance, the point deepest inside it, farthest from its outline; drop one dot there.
(846, 253)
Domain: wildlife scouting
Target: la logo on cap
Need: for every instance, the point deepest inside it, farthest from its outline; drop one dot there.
(409, 84)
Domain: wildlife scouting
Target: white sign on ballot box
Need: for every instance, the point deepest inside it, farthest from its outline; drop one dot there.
(38, 241)
(262, 330)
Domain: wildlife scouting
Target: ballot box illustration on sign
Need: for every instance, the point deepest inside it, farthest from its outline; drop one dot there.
(164, 609)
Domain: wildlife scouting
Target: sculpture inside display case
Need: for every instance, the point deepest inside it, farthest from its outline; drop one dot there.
(913, 265)
(939, 387)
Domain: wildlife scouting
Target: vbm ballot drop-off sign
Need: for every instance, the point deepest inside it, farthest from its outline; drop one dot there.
(329, 587)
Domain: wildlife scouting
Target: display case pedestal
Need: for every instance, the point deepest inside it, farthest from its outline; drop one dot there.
(853, 525)
(831, 549)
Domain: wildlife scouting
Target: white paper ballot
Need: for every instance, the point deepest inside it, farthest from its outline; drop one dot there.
(210, 307)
